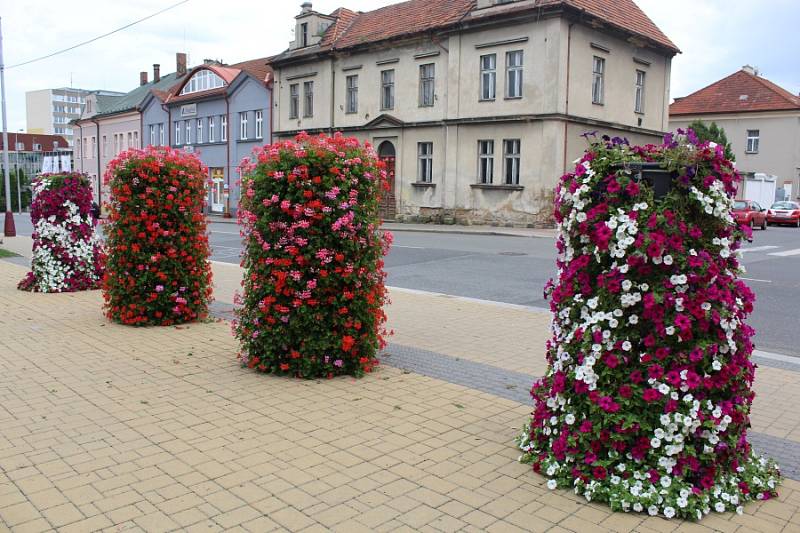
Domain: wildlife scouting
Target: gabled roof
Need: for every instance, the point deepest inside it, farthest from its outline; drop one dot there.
(258, 68)
(741, 92)
(419, 16)
(29, 139)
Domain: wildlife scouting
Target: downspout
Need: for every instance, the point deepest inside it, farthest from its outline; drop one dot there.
(228, 152)
(333, 92)
(165, 108)
(99, 183)
(566, 106)
(271, 88)
(80, 140)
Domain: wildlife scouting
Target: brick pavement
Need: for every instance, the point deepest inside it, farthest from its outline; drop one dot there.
(108, 427)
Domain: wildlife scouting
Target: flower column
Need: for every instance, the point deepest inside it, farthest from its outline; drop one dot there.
(314, 280)
(646, 401)
(158, 271)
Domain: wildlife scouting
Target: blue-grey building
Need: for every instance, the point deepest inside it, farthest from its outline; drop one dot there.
(219, 112)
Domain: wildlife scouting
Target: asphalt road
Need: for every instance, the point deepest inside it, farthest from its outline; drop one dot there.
(515, 269)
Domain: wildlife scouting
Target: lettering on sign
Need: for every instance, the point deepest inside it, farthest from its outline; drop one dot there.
(188, 110)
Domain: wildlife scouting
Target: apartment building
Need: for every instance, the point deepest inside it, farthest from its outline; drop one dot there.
(112, 124)
(476, 106)
(50, 111)
(760, 119)
(219, 112)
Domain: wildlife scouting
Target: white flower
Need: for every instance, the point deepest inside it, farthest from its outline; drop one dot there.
(652, 510)
(719, 507)
(569, 419)
(552, 484)
(669, 512)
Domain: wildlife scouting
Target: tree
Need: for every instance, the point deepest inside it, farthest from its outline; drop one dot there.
(713, 133)
(26, 190)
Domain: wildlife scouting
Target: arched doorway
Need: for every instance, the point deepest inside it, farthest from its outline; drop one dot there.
(388, 207)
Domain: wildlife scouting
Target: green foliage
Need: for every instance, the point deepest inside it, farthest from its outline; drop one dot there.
(712, 132)
(25, 185)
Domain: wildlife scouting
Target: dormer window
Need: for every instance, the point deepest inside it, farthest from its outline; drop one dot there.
(304, 34)
(203, 80)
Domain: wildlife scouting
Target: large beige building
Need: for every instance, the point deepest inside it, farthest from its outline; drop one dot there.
(478, 107)
(50, 111)
(761, 121)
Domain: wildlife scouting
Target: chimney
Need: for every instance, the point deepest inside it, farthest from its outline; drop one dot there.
(156, 72)
(180, 63)
(143, 78)
(305, 7)
(749, 69)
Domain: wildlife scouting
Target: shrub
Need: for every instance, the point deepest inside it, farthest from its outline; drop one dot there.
(646, 400)
(67, 255)
(158, 271)
(313, 258)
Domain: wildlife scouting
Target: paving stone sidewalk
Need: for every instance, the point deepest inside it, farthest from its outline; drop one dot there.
(117, 428)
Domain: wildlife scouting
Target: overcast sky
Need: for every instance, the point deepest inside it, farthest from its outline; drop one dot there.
(717, 37)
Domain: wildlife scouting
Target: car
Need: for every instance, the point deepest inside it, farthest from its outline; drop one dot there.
(784, 213)
(749, 213)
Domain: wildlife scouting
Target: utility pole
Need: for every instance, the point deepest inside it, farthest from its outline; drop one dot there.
(8, 229)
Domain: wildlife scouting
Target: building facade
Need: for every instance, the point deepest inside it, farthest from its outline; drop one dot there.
(761, 121)
(51, 111)
(219, 112)
(27, 152)
(477, 108)
(112, 124)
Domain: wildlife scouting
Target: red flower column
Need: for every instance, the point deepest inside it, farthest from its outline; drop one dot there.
(314, 282)
(157, 271)
(646, 400)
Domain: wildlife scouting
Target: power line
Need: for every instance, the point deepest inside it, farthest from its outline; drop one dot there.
(98, 37)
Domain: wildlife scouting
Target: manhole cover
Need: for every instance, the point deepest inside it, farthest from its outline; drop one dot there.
(513, 254)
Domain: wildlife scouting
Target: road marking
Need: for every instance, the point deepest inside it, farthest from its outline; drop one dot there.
(759, 280)
(472, 300)
(414, 247)
(758, 248)
(777, 357)
(226, 232)
(787, 253)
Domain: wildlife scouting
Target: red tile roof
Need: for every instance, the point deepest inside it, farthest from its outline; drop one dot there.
(258, 68)
(29, 139)
(741, 92)
(415, 16)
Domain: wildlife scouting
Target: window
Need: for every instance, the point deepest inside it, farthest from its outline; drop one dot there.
(304, 34)
(308, 99)
(152, 135)
(294, 100)
(259, 124)
(598, 72)
(199, 138)
(352, 93)
(161, 134)
(94, 146)
(639, 92)
(78, 146)
(511, 158)
(135, 139)
(488, 76)
(188, 125)
(514, 74)
(243, 125)
(105, 146)
(425, 162)
(177, 126)
(426, 84)
(130, 141)
(485, 161)
(387, 89)
(86, 154)
(223, 134)
(211, 121)
(38, 147)
(203, 80)
(20, 147)
(753, 138)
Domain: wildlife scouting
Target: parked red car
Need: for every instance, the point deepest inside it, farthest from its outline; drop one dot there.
(749, 213)
(784, 213)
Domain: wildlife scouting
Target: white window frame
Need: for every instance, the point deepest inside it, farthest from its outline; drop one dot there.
(259, 124)
(425, 162)
(486, 161)
(161, 138)
(211, 121)
(514, 73)
(294, 100)
(638, 95)
(598, 79)
(136, 139)
(488, 77)
(105, 146)
(243, 125)
(387, 89)
(427, 84)
(152, 135)
(199, 138)
(223, 128)
(308, 99)
(203, 80)
(753, 141)
(177, 126)
(351, 93)
(188, 127)
(512, 152)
